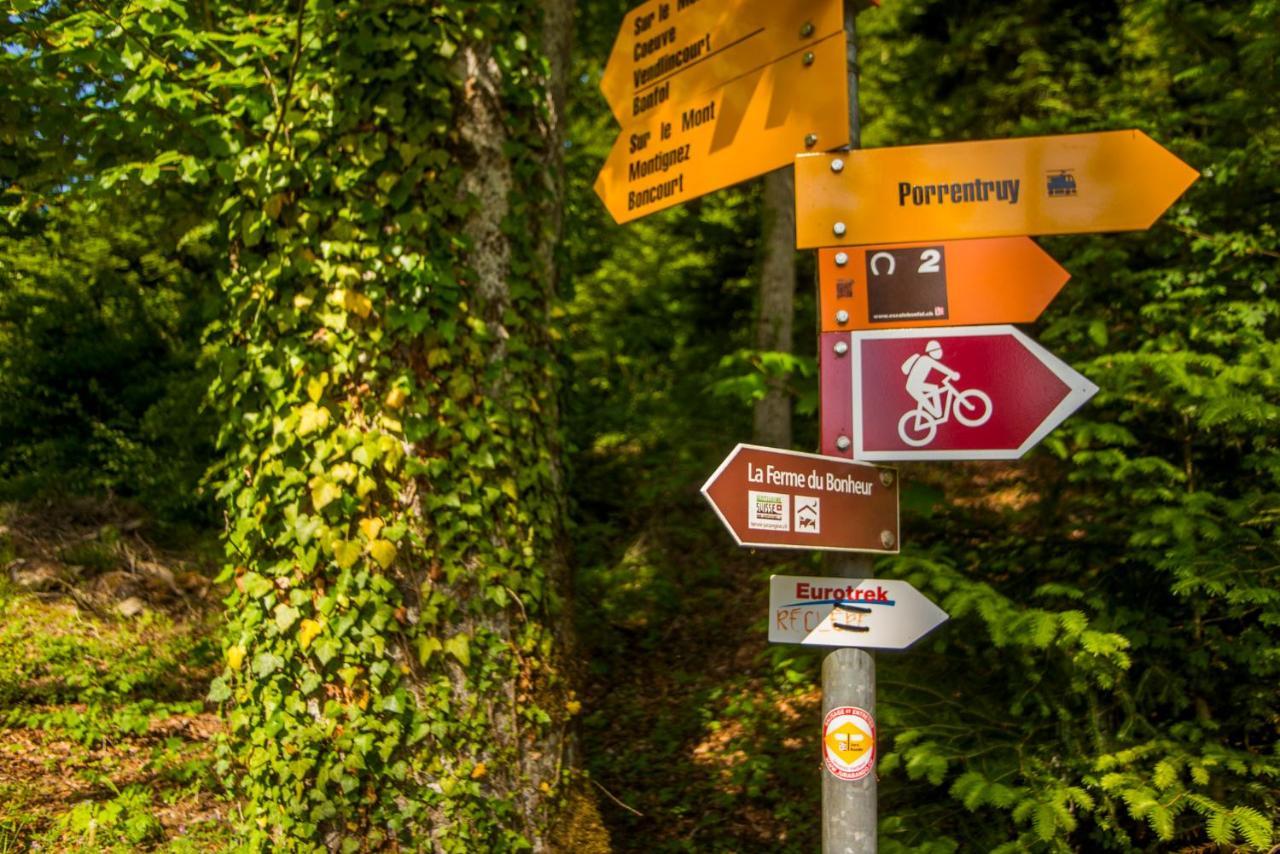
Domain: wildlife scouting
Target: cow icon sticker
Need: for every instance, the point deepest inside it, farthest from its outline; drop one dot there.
(808, 518)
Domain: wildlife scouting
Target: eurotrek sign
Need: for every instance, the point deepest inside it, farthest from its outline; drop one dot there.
(1076, 183)
(870, 613)
(790, 500)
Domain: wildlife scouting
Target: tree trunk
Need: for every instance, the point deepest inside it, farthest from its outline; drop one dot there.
(401, 651)
(772, 415)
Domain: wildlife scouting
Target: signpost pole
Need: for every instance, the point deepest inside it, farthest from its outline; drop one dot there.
(849, 675)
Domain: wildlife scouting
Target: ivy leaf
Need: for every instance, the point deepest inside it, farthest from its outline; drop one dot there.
(459, 646)
(264, 664)
(307, 632)
(312, 418)
(255, 586)
(325, 493)
(428, 645)
(305, 527)
(384, 552)
(219, 691)
(286, 616)
(357, 303)
(371, 528)
(326, 649)
(316, 386)
(346, 553)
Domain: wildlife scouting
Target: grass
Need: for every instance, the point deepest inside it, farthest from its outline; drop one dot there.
(106, 742)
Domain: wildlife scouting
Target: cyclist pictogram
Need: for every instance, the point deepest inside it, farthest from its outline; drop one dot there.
(937, 402)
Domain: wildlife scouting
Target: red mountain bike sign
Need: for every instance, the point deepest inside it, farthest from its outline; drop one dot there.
(970, 393)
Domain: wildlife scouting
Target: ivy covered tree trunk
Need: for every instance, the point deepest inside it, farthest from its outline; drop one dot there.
(399, 649)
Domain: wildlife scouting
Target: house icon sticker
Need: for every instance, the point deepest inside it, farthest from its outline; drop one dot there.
(807, 515)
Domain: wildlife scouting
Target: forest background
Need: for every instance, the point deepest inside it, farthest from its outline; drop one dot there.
(1108, 678)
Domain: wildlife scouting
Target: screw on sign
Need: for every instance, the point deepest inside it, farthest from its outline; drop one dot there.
(849, 742)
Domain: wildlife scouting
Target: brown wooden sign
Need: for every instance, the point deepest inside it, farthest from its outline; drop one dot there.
(790, 500)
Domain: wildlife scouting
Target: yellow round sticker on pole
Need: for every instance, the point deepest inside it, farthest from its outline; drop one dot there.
(849, 742)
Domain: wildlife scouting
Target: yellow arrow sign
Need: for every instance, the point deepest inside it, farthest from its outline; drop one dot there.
(1109, 181)
(669, 50)
(754, 124)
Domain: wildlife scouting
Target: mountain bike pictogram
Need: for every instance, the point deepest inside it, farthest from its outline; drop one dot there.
(937, 402)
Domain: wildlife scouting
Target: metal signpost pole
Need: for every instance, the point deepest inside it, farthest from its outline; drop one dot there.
(849, 675)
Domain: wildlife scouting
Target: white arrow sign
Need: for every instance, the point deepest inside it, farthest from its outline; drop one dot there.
(865, 612)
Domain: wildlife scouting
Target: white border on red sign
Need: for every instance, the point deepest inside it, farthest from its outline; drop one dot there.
(1080, 389)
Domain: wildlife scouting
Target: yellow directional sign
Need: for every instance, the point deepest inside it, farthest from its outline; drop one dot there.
(1110, 181)
(751, 125)
(669, 50)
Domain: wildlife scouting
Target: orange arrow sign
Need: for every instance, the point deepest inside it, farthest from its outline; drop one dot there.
(747, 127)
(945, 283)
(1110, 181)
(668, 50)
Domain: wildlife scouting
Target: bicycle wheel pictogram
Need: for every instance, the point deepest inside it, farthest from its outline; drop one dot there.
(972, 407)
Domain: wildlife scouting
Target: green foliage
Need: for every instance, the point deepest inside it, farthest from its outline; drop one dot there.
(102, 299)
(125, 820)
(131, 667)
(386, 402)
(1120, 656)
(99, 333)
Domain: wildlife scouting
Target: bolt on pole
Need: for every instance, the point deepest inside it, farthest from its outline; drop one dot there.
(849, 675)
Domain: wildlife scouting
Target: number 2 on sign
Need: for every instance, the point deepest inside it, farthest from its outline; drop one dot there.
(930, 259)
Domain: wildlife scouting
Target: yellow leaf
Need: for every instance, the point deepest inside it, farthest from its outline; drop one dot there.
(316, 386)
(324, 493)
(302, 302)
(312, 418)
(346, 553)
(395, 398)
(509, 489)
(357, 303)
(371, 528)
(343, 472)
(365, 486)
(307, 632)
(384, 552)
(235, 657)
(573, 707)
(479, 771)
